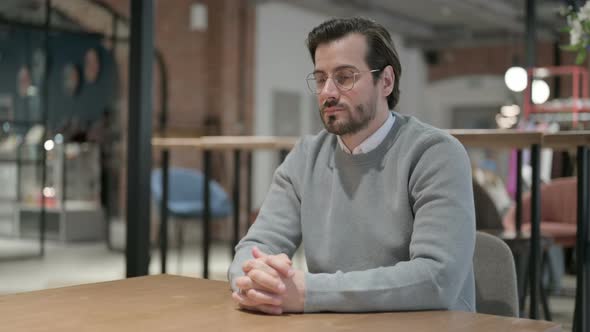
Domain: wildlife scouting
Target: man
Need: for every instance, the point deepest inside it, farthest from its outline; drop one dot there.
(382, 203)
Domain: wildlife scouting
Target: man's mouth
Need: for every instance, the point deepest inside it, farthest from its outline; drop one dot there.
(332, 110)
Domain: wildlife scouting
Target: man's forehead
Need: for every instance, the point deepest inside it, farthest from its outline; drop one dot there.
(339, 68)
(349, 50)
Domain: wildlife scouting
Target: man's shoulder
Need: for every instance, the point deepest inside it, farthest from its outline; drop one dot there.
(316, 142)
(417, 133)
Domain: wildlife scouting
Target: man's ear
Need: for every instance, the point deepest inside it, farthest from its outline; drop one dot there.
(388, 80)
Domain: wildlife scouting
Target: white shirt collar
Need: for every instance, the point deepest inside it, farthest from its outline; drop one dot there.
(372, 141)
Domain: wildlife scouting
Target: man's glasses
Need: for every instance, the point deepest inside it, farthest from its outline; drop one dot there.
(344, 79)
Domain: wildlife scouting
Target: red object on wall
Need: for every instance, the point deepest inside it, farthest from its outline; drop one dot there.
(579, 77)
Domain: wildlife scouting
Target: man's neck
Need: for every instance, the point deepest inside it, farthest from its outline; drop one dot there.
(353, 140)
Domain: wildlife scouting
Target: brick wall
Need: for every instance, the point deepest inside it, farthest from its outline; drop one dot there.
(210, 76)
(494, 60)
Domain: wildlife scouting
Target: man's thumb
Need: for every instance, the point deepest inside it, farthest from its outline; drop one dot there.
(257, 253)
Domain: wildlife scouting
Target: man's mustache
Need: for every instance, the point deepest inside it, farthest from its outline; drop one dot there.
(332, 103)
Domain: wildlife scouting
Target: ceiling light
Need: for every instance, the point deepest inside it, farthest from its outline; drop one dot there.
(540, 91)
(49, 145)
(516, 79)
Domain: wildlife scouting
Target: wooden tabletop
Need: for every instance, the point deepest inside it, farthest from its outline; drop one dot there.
(472, 138)
(172, 303)
(566, 139)
(491, 138)
(227, 142)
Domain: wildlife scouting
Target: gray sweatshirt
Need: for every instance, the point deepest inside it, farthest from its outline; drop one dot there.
(389, 230)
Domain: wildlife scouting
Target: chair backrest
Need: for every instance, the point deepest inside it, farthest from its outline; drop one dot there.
(487, 215)
(185, 192)
(495, 277)
(558, 204)
(559, 200)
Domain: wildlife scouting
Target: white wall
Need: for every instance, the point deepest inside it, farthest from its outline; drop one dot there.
(443, 96)
(282, 62)
(412, 82)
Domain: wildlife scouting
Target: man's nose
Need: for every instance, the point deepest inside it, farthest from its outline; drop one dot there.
(330, 90)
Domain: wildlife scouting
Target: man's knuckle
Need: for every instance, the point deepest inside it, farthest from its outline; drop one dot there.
(242, 282)
(259, 297)
(273, 272)
(247, 265)
(254, 274)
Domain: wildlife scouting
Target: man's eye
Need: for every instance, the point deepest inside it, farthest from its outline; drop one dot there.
(320, 80)
(344, 78)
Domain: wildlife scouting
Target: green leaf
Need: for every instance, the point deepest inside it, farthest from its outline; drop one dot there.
(565, 29)
(581, 57)
(571, 48)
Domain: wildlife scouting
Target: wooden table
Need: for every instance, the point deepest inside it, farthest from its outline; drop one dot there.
(497, 138)
(171, 303)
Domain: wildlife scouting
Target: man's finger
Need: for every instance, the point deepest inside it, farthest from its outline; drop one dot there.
(246, 303)
(281, 265)
(260, 265)
(261, 297)
(267, 309)
(257, 253)
(267, 281)
(241, 299)
(244, 283)
(286, 258)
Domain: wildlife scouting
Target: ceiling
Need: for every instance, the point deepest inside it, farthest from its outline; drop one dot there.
(426, 24)
(65, 15)
(435, 24)
(33, 12)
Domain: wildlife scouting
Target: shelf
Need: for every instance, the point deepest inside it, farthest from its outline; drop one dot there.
(578, 102)
(22, 161)
(70, 205)
(72, 171)
(550, 109)
(63, 225)
(22, 122)
(560, 116)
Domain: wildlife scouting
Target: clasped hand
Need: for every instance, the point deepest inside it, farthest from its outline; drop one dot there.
(270, 285)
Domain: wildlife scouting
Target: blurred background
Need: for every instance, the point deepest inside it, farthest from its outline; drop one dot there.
(238, 67)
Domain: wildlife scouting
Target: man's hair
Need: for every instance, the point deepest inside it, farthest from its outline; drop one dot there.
(381, 51)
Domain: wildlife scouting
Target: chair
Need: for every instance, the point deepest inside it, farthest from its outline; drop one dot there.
(487, 215)
(488, 220)
(495, 277)
(558, 212)
(185, 198)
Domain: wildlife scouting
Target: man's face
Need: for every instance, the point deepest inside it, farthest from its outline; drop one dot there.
(345, 112)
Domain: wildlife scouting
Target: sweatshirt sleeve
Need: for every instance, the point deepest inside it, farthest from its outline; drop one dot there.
(441, 246)
(278, 226)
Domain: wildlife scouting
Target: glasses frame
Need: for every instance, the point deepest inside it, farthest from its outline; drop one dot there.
(356, 74)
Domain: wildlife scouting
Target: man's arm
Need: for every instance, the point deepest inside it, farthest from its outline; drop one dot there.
(441, 248)
(277, 229)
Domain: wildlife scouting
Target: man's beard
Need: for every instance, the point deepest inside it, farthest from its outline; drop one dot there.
(355, 122)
